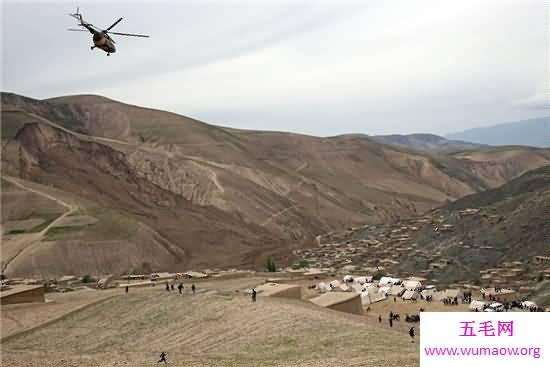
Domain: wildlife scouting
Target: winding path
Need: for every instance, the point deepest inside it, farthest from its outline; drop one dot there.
(25, 241)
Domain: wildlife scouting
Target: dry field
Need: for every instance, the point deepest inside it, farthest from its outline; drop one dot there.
(218, 326)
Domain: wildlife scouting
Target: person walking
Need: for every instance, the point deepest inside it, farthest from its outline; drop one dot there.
(253, 295)
(162, 358)
(193, 288)
(167, 287)
(126, 290)
(411, 333)
(379, 319)
(180, 288)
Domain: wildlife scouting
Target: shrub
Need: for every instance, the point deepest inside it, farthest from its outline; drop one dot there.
(87, 279)
(270, 265)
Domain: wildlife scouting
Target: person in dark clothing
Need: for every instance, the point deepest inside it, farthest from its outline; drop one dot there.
(167, 287)
(126, 290)
(172, 286)
(411, 333)
(162, 358)
(193, 288)
(180, 288)
(391, 322)
(253, 295)
(379, 318)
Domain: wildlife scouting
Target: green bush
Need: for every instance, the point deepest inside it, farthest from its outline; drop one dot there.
(270, 265)
(87, 279)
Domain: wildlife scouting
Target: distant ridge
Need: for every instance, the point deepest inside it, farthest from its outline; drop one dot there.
(427, 142)
(533, 132)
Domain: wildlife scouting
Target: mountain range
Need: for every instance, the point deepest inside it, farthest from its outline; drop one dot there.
(95, 186)
(533, 132)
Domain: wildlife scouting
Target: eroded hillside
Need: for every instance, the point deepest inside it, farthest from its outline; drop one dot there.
(229, 197)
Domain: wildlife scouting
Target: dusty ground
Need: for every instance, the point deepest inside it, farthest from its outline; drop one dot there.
(218, 326)
(24, 316)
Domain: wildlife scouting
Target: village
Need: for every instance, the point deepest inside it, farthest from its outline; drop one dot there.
(352, 271)
(371, 294)
(393, 250)
(375, 280)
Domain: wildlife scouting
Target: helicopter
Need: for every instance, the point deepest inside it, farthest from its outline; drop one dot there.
(101, 38)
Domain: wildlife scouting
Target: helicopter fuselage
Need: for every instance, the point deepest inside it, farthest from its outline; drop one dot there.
(103, 42)
(101, 38)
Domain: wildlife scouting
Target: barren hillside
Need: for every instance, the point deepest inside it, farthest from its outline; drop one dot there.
(226, 197)
(212, 328)
(488, 238)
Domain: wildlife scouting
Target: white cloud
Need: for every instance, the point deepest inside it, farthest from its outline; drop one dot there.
(391, 66)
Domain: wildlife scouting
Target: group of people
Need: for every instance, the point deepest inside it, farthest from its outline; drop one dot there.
(170, 287)
(450, 301)
(393, 316)
(181, 287)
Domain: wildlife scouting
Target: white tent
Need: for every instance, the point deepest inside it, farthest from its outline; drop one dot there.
(370, 289)
(357, 288)
(408, 295)
(528, 304)
(427, 293)
(334, 284)
(477, 305)
(389, 281)
(323, 287)
(396, 290)
(343, 288)
(452, 293)
(384, 290)
(360, 280)
(412, 285)
(368, 298)
(348, 278)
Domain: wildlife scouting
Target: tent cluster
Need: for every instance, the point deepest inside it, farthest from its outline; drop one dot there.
(372, 291)
(482, 306)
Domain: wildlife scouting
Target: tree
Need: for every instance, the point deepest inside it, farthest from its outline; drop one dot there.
(270, 265)
(87, 279)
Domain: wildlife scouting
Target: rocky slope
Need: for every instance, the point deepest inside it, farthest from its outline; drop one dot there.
(489, 238)
(228, 197)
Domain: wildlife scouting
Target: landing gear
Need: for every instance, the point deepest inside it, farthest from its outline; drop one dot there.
(108, 54)
(92, 47)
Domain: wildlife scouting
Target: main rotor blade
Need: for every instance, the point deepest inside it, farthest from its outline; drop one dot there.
(77, 30)
(115, 23)
(127, 34)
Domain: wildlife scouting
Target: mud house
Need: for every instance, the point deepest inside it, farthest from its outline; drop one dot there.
(542, 260)
(22, 294)
(280, 290)
(349, 302)
(500, 295)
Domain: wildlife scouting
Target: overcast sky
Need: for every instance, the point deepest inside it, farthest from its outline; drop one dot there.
(315, 67)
